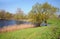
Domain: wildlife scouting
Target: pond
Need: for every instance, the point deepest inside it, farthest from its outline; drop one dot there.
(11, 22)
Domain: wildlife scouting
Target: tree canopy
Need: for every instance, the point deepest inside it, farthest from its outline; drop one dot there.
(41, 12)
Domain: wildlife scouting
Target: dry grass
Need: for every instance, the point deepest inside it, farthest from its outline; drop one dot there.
(15, 27)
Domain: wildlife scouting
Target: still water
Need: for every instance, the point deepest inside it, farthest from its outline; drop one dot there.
(13, 22)
(10, 22)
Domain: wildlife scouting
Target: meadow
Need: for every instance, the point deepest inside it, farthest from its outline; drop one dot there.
(51, 31)
(42, 19)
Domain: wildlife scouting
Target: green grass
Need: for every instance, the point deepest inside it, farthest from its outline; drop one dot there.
(45, 32)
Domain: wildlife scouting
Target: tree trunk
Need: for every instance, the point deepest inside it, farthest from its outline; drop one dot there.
(45, 22)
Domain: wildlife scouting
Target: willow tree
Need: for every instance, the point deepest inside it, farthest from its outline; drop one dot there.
(42, 12)
(48, 11)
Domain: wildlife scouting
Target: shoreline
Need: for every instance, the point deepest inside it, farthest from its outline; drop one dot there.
(16, 27)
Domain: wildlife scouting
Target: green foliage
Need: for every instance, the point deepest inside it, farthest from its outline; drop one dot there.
(42, 12)
(5, 15)
(19, 14)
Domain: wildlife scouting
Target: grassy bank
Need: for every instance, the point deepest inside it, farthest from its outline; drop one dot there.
(46, 32)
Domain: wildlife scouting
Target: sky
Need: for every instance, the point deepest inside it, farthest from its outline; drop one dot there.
(25, 5)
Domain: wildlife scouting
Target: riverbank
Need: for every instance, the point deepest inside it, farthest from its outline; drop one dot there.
(44, 32)
(15, 27)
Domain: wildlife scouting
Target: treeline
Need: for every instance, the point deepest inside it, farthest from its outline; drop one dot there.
(5, 15)
(19, 15)
(38, 14)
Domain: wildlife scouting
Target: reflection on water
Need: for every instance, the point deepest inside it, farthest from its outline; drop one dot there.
(13, 22)
(9, 22)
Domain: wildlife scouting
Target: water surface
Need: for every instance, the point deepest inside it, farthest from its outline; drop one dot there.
(10, 22)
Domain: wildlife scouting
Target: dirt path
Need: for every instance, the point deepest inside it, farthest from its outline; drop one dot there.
(15, 27)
